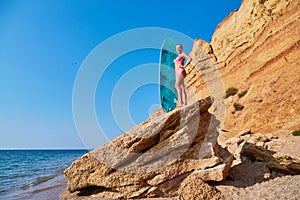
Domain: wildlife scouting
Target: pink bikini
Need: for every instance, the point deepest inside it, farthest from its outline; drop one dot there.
(180, 69)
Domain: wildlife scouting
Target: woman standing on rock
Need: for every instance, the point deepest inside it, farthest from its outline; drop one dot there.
(181, 74)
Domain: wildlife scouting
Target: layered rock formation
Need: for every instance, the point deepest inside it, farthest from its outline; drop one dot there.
(257, 51)
(153, 158)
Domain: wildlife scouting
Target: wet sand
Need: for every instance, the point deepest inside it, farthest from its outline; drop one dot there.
(50, 190)
(51, 193)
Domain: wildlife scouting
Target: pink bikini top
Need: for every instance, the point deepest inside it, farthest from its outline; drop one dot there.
(179, 59)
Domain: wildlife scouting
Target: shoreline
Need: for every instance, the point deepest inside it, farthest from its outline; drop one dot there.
(35, 174)
(49, 190)
(50, 193)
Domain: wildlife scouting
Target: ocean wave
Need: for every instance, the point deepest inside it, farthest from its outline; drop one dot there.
(48, 188)
(60, 171)
(3, 190)
(38, 181)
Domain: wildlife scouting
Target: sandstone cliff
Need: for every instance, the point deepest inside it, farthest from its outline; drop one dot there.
(239, 143)
(257, 51)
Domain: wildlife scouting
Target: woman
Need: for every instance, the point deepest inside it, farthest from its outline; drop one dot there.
(181, 74)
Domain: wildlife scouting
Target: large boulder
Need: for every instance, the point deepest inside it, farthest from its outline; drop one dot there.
(153, 158)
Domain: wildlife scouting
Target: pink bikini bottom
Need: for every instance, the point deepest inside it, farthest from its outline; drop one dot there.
(181, 71)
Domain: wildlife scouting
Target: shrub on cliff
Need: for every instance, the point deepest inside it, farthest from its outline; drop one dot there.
(238, 106)
(231, 91)
(296, 133)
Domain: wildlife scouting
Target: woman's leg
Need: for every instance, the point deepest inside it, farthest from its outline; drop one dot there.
(183, 96)
(178, 86)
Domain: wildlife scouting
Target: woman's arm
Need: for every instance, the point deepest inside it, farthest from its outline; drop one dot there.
(188, 59)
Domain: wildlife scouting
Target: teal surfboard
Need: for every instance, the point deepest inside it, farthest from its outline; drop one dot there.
(168, 94)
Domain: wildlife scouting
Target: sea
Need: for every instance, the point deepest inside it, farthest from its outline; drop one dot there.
(34, 174)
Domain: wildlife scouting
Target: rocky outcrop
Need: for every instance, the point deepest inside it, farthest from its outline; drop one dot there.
(153, 158)
(261, 165)
(256, 50)
(279, 151)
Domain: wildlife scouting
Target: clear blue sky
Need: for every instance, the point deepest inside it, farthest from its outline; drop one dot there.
(44, 42)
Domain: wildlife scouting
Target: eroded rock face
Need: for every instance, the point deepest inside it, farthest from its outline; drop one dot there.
(280, 151)
(153, 158)
(256, 50)
(242, 28)
(261, 165)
